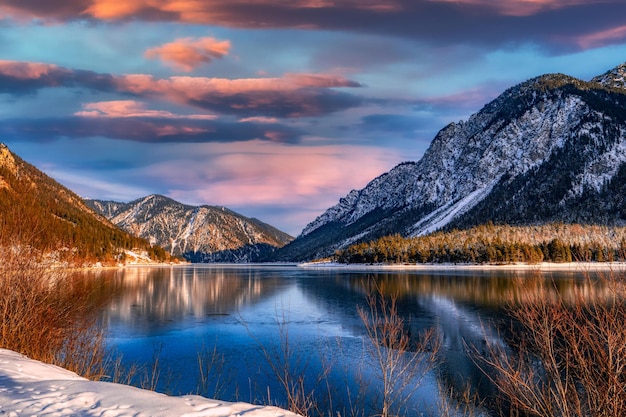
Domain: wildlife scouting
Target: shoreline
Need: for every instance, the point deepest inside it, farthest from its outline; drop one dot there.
(542, 267)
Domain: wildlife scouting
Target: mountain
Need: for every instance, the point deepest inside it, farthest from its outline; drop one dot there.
(39, 213)
(200, 234)
(552, 149)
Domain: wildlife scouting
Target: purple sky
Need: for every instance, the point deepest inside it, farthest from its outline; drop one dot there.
(275, 109)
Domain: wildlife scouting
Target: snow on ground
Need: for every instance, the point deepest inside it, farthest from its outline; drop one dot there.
(32, 388)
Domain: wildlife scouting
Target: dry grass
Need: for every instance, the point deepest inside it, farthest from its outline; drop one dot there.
(48, 314)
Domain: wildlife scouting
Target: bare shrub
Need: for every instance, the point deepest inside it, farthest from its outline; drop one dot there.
(568, 353)
(453, 403)
(400, 363)
(290, 366)
(214, 376)
(48, 314)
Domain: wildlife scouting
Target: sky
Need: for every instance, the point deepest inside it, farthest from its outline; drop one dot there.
(274, 109)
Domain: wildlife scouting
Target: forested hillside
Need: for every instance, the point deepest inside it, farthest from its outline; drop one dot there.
(496, 244)
(37, 211)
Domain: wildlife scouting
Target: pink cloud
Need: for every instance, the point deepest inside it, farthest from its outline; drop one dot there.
(240, 13)
(449, 22)
(28, 70)
(196, 87)
(259, 119)
(189, 53)
(217, 11)
(522, 7)
(602, 38)
(250, 13)
(171, 130)
(471, 97)
(131, 108)
(267, 173)
(292, 95)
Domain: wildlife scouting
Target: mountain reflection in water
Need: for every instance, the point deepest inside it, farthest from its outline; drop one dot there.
(245, 312)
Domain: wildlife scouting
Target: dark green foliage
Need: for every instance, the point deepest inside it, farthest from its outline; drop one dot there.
(494, 245)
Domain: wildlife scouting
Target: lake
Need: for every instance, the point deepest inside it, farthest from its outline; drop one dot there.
(250, 326)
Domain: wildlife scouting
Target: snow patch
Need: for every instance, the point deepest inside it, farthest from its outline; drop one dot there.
(29, 387)
(446, 214)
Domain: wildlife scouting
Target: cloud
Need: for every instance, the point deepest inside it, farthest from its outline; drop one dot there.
(147, 129)
(27, 77)
(282, 184)
(523, 7)
(257, 175)
(259, 119)
(602, 38)
(443, 22)
(189, 53)
(293, 95)
(473, 98)
(397, 123)
(132, 108)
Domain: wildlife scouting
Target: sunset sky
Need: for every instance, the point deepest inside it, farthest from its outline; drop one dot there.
(275, 109)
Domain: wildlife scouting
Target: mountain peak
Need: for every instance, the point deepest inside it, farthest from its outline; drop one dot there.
(199, 233)
(550, 149)
(615, 78)
(7, 160)
(5, 155)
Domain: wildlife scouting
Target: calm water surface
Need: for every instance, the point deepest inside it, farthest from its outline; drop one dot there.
(244, 319)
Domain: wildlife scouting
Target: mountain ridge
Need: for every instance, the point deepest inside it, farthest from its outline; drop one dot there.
(521, 134)
(198, 233)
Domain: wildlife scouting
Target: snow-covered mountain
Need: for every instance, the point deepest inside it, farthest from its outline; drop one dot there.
(200, 234)
(550, 149)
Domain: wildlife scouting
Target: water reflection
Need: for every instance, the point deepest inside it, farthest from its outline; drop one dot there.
(148, 299)
(239, 309)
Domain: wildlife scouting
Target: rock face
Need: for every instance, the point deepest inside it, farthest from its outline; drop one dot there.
(550, 149)
(200, 234)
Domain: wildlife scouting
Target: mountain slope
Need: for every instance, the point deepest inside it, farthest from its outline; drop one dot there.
(37, 211)
(200, 234)
(550, 149)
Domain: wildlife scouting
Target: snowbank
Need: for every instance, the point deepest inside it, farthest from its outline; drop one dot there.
(29, 387)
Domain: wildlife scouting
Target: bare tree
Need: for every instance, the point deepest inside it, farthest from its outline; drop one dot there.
(399, 362)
